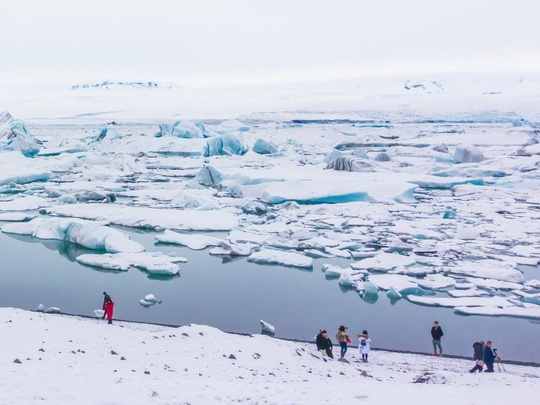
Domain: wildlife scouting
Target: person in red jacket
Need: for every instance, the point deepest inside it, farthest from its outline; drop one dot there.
(108, 307)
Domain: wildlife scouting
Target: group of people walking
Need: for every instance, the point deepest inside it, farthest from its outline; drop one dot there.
(325, 345)
(483, 354)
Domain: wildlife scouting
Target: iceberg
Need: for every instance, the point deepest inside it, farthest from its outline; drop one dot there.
(468, 154)
(152, 262)
(182, 129)
(267, 329)
(17, 136)
(83, 233)
(269, 256)
(227, 144)
(263, 147)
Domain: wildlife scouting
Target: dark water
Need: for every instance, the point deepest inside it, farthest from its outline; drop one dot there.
(234, 296)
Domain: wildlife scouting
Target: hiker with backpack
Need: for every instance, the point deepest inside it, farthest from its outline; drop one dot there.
(478, 357)
(364, 345)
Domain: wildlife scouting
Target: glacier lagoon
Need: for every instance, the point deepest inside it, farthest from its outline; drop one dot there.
(234, 296)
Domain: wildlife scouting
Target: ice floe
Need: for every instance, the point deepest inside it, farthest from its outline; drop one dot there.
(153, 262)
(192, 241)
(84, 233)
(270, 256)
(143, 217)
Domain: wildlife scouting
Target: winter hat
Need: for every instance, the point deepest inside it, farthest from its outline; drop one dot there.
(324, 331)
(364, 332)
(342, 328)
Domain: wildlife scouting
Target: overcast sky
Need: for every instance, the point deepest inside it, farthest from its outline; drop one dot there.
(251, 41)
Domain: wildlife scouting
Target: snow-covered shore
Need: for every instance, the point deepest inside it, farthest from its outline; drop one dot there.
(66, 360)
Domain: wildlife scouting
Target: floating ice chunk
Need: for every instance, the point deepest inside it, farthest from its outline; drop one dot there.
(382, 157)
(468, 154)
(208, 176)
(149, 300)
(467, 233)
(493, 284)
(269, 256)
(142, 217)
(489, 269)
(53, 310)
(312, 192)
(40, 308)
(528, 311)
(254, 208)
(93, 195)
(80, 232)
(98, 313)
(22, 204)
(396, 281)
(231, 126)
(470, 292)
(15, 216)
(15, 168)
(393, 294)
(235, 190)
(231, 249)
(250, 237)
(267, 329)
(152, 262)
(384, 262)
(461, 302)
(182, 129)
(436, 282)
(18, 138)
(333, 271)
(192, 241)
(441, 148)
(228, 144)
(263, 147)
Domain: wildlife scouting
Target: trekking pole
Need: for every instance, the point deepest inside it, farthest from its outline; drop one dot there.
(499, 362)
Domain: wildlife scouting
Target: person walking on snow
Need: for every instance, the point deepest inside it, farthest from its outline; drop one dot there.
(478, 357)
(364, 345)
(108, 307)
(437, 333)
(489, 356)
(342, 336)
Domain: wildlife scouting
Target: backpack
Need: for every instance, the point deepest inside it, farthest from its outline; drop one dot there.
(363, 342)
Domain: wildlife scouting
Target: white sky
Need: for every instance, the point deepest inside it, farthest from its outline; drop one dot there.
(251, 41)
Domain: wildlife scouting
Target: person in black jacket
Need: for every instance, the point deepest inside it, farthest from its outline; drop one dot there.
(324, 344)
(478, 357)
(437, 334)
(489, 356)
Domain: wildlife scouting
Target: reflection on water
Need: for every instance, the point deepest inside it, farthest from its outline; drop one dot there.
(234, 295)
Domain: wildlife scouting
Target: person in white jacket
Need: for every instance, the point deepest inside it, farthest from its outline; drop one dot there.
(364, 345)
